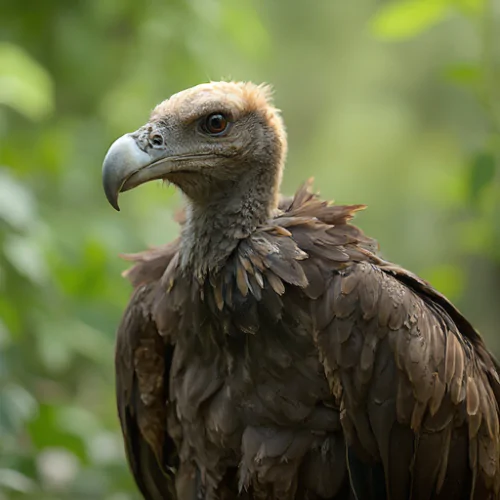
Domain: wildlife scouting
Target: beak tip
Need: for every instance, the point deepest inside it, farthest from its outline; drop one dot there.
(123, 159)
(113, 201)
(111, 192)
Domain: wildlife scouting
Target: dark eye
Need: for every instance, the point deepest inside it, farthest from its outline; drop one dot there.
(157, 140)
(215, 124)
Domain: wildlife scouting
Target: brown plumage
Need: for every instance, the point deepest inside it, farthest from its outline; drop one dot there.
(268, 353)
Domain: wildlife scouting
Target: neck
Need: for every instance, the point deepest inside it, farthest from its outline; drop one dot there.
(214, 227)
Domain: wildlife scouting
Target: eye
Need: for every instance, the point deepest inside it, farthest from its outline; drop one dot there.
(157, 140)
(215, 124)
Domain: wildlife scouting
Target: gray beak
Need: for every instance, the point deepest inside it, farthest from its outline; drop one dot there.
(126, 166)
(123, 159)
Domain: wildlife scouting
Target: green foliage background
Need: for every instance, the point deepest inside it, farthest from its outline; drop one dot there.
(394, 104)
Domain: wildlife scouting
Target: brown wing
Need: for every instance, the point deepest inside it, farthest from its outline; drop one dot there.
(420, 391)
(142, 364)
(144, 357)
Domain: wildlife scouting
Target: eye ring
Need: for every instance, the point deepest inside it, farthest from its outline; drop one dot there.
(156, 140)
(215, 124)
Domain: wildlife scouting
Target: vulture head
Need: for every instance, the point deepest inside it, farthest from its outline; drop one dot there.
(221, 143)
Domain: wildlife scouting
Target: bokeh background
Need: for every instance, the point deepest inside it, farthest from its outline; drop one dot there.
(393, 104)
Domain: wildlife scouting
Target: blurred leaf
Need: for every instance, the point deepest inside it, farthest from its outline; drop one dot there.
(446, 278)
(25, 254)
(24, 84)
(45, 432)
(17, 205)
(17, 406)
(475, 236)
(60, 340)
(481, 174)
(55, 354)
(58, 467)
(106, 448)
(77, 421)
(245, 28)
(10, 316)
(464, 74)
(16, 481)
(90, 342)
(400, 20)
(4, 337)
(470, 6)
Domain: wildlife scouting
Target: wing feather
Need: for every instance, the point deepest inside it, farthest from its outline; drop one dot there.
(420, 392)
(445, 383)
(142, 364)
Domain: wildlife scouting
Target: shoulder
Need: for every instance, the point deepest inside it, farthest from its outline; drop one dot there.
(337, 257)
(305, 241)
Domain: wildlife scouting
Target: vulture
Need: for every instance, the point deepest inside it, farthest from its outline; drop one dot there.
(269, 352)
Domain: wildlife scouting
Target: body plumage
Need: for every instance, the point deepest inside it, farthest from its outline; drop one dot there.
(269, 353)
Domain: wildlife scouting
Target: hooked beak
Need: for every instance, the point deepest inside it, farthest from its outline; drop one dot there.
(126, 166)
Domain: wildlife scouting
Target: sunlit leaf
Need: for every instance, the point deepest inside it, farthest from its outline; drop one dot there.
(24, 84)
(400, 20)
(481, 173)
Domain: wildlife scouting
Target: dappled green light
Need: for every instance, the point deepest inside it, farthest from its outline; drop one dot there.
(391, 104)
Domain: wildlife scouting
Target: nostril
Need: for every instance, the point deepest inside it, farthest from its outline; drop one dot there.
(156, 140)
